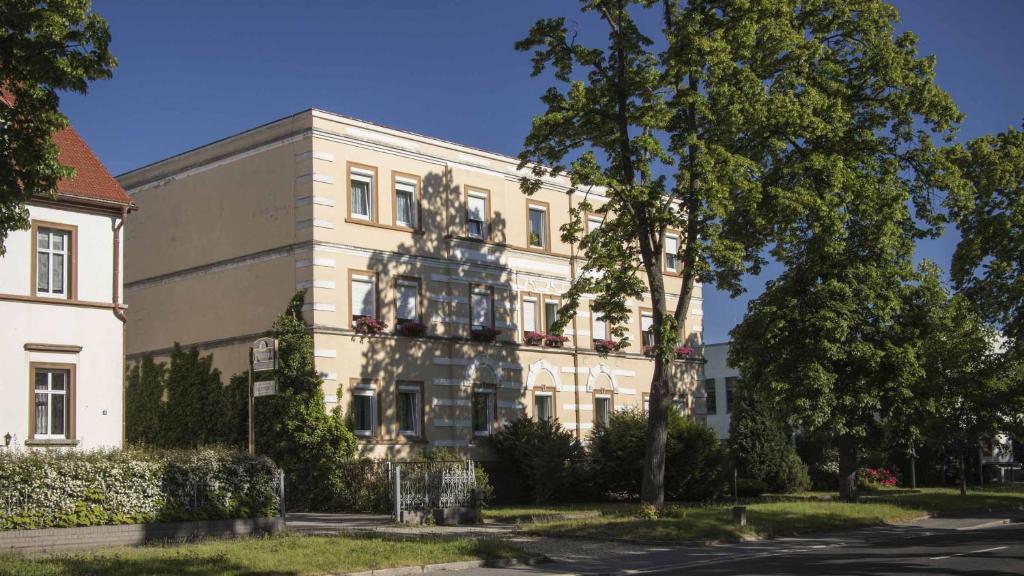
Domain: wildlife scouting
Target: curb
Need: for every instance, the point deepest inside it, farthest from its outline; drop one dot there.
(448, 567)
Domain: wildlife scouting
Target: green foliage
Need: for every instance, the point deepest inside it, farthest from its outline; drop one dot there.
(293, 426)
(750, 488)
(695, 457)
(989, 213)
(485, 490)
(45, 47)
(143, 397)
(87, 488)
(760, 445)
(541, 454)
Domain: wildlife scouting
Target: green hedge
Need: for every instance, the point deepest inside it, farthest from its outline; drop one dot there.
(46, 489)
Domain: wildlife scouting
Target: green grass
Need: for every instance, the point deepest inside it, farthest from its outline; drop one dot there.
(274, 555)
(771, 516)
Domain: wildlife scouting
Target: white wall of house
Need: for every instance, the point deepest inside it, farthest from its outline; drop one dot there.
(98, 365)
(718, 368)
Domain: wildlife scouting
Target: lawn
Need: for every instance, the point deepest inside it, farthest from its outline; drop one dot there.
(272, 555)
(767, 517)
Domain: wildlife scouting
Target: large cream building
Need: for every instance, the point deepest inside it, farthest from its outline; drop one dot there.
(380, 223)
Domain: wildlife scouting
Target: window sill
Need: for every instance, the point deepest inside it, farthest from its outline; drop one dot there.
(372, 224)
(56, 442)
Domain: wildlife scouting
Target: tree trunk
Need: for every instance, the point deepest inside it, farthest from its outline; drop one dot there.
(652, 489)
(963, 470)
(848, 470)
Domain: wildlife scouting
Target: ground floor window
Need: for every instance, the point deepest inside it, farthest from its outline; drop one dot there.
(543, 405)
(602, 410)
(364, 410)
(52, 402)
(483, 411)
(409, 408)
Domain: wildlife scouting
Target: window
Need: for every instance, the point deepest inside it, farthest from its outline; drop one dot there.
(362, 181)
(602, 410)
(406, 206)
(53, 262)
(646, 325)
(593, 223)
(483, 411)
(671, 253)
(730, 389)
(538, 221)
(543, 405)
(477, 211)
(409, 408)
(680, 404)
(550, 314)
(363, 296)
(712, 396)
(408, 300)
(647, 404)
(529, 313)
(481, 309)
(364, 410)
(53, 403)
(598, 327)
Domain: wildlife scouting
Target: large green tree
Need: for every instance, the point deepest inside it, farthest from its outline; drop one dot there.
(45, 47)
(989, 213)
(746, 125)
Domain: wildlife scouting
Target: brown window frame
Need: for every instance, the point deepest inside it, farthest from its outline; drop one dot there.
(70, 400)
(490, 290)
(640, 324)
(466, 193)
(492, 393)
(419, 298)
(71, 281)
(538, 316)
(607, 328)
(550, 392)
(603, 393)
(546, 207)
(664, 253)
(374, 192)
(394, 201)
(421, 416)
(544, 309)
(376, 294)
(376, 410)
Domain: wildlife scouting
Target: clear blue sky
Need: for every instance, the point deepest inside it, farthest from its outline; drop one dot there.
(192, 72)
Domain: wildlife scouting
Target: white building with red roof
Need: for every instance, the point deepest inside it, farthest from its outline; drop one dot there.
(62, 337)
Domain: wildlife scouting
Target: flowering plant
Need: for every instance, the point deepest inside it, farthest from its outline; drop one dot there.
(649, 350)
(370, 325)
(606, 345)
(683, 351)
(555, 340)
(411, 328)
(484, 334)
(533, 338)
(874, 478)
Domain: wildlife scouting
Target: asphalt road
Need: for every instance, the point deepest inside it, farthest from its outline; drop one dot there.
(991, 551)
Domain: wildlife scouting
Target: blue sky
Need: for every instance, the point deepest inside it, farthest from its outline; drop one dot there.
(192, 72)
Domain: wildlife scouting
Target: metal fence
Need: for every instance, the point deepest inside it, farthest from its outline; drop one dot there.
(425, 486)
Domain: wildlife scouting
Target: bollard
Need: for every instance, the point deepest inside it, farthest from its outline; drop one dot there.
(739, 515)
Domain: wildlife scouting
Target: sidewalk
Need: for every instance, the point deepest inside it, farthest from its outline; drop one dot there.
(325, 523)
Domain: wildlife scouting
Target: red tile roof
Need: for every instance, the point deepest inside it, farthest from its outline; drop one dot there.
(92, 180)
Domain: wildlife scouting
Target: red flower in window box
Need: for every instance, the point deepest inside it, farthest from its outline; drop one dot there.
(555, 340)
(411, 328)
(650, 351)
(484, 334)
(683, 352)
(532, 338)
(370, 326)
(606, 346)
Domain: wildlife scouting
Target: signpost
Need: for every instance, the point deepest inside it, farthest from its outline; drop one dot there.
(262, 357)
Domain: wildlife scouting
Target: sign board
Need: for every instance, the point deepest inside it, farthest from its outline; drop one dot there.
(264, 354)
(265, 388)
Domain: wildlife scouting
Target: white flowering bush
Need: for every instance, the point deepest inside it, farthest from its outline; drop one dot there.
(43, 489)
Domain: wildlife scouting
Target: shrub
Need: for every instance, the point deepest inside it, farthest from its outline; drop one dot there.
(875, 478)
(694, 457)
(750, 488)
(44, 489)
(485, 491)
(759, 443)
(540, 453)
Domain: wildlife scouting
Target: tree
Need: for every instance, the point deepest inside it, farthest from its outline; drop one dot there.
(736, 131)
(293, 426)
(194, 407)
(45, 47)
(760, 442)
(143, 401)
(989, 213)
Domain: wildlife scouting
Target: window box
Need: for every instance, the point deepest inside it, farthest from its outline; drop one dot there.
(650, 351)
(411, 328)
(683, 352)
(484, 334)
(555, 340)
(370, 326)
(606, 345)
(533, 338)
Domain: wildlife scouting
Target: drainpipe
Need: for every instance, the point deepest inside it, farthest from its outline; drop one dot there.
(575, 330)
(119, 312)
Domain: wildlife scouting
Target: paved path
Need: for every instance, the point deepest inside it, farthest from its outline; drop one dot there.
(324, 523)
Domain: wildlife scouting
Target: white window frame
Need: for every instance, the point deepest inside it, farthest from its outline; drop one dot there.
(548, 318)
(417, 409)
(362, 279)
(536, 405)
(415, 286)
(49, 393)
(593, 223)
(484, 224)
(597, 413)
(543, 235)
(407, 185)
(50, 253)
(596, 321)
(478, 290)
(362, 175)
(649, 330)
(490, 411)
(536, 308)
(363, 391)
(674, 256)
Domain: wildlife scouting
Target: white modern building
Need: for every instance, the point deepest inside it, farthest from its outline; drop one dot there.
(719, 382)
(62, 341)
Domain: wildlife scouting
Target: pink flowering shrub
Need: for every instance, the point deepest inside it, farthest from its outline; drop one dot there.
(369, 325)
(874, 478)
(555, 340)
(532, 338)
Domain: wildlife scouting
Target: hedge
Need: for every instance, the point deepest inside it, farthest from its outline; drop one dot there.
(47, 489)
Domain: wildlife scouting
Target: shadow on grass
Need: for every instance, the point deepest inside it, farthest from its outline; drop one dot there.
(115, 565)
